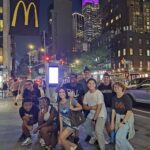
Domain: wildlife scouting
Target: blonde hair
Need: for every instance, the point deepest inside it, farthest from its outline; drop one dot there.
(120, 84)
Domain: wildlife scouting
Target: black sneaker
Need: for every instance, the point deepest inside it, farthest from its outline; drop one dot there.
(87, 138)
(22, 137)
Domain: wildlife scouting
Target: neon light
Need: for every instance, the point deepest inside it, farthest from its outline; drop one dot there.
(95, 2)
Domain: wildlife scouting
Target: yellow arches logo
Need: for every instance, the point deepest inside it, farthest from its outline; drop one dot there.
(26, 13)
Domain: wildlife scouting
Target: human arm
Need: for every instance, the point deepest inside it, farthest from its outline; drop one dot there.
(113, 114)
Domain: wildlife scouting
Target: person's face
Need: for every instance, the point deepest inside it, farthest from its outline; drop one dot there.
(73, 79)
(28, 85)
(27, 106)
(106, 80)
(87, 74)
(117, 89)
(62, 94)
(43, 104)
(71, 93)
(91, 85)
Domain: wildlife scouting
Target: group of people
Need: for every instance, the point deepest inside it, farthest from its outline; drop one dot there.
(106, 108)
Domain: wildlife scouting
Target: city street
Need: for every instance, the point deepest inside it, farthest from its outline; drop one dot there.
(10, 130)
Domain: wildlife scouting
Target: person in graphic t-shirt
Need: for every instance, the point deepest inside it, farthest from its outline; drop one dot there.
(122, 120)
(29, 115)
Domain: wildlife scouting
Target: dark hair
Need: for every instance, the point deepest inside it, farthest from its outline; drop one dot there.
(58, 98)
(106, 74)
(73, 74)
(86, 69)
(46, 99)
(26, 99)
(29, 81)
(92, 79)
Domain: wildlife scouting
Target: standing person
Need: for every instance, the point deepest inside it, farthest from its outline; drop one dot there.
(76, 87)
(31, 92)
(29, 115)
(122, 118)
(14, 89)
(95, 121)
(65, 105)
(106, 88)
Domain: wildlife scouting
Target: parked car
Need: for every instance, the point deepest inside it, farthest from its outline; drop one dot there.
(140, 93)
(135, 82)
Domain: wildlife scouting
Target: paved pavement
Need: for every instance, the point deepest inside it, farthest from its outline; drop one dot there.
(10, 130)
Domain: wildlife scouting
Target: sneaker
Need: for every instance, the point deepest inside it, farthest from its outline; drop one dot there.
(87, 138)
(42, 142)
(92, 140)
(48, 148)
(107, 142)
(27, 141)
(22, 137)
(73, 148)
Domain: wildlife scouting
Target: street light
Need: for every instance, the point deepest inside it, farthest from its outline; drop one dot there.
(77, 61)
(31, 46)
(42, 50)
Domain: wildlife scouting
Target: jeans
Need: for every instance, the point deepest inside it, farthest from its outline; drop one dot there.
(122, 142)
(98, 130)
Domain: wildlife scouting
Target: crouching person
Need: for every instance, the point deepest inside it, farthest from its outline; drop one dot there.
(48, 123)
(29, 114)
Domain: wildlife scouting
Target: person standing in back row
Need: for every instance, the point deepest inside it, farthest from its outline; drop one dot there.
(106, 88)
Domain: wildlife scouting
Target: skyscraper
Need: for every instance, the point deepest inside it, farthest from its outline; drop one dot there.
(92, 20)
(78, 30)
(127, 34)
(60, 26)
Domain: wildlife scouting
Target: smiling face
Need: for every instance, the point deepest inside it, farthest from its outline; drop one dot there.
(29, 85)
(91, 85)
(27, 106)
(62, 94)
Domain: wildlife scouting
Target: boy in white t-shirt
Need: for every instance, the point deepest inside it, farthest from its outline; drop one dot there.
(95, 122)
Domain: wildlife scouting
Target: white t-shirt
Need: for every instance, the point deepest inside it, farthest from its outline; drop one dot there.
(92, 99)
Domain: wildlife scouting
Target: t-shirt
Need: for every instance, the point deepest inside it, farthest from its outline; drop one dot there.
(108, 94)
(64, 110)
(92, 99)
(33, 113)
(78, 89)
(122, 104)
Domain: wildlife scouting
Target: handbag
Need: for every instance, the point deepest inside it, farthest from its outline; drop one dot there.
(76, 118)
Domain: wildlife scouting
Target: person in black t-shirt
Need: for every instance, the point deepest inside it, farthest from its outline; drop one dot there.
(29, 115)
(122, 117)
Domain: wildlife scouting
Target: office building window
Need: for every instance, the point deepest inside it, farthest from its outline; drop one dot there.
(147, 42)
(112, 21)
(124, 51)
(1, 9)
(148, 52)
(119, 53)
(130, 39)
(131, 51)
(140, 52)
(141, 64)
(1, 25)
(140, 41)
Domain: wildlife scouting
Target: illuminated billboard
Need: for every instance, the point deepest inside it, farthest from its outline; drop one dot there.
(95, 2)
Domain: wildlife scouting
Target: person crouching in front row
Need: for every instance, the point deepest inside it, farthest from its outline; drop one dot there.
(29, 115)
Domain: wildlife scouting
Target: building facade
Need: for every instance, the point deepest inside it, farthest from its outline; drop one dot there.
(60, 27)
(126, 34)
(92, 20)
(78, 30)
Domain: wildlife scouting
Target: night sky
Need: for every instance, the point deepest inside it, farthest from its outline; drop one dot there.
(23, 41)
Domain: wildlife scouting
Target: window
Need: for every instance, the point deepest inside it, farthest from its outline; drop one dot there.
(131, 51)
(140, 41)
(117, 17)
(147, 42)
(140, 52)
(1, 25)
(141, 64)
(119, 53)
(112, 20)
(1, 10)
(148, 65)
(148, 52)
(130, 39)
(107, 24)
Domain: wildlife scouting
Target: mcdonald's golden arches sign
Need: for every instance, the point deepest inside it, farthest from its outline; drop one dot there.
(24, 17)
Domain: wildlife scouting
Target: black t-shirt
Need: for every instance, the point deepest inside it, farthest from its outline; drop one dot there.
(33, 113)
(122, 104)
(34, 95)
(108, 93)
(78, 89)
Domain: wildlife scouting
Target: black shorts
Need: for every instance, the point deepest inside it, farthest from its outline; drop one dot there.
(15, 93)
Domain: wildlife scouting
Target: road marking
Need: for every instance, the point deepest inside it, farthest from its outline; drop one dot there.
(142, 116)
(141, 111)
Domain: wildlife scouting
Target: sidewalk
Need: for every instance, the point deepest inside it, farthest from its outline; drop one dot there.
(10, 130)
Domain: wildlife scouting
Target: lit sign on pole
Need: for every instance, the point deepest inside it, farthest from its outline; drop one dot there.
(95, 2)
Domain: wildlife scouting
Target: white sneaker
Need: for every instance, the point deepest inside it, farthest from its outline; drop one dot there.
(107, 142)
(92, 140)
(42, 142)
(73, 148)
(27, 141)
